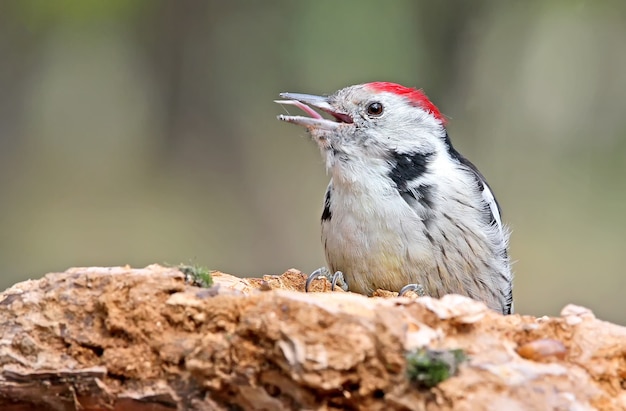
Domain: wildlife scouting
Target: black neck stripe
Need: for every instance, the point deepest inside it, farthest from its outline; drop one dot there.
(406, 167)
(326, 214)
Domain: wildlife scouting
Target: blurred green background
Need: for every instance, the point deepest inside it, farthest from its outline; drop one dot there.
(142, 131)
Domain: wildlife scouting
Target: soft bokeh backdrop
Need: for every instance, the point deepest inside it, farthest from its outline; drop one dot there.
(141, 131)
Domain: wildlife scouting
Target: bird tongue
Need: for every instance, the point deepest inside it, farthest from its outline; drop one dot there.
(305, 101)
(301, 106)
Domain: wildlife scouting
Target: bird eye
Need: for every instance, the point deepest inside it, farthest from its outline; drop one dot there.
(375, 109)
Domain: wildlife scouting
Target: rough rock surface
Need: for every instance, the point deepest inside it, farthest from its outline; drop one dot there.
(137, 339)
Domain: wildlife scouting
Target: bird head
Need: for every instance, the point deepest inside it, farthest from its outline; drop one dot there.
(369, 124)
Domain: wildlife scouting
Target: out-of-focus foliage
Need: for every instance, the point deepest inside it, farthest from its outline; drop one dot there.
(36, 14)
(144, 131)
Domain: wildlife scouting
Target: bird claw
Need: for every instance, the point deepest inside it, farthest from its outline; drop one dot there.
(336, 279)
(416, 288)
(320, 272)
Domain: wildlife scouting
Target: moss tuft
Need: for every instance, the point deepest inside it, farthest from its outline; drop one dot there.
(426, 368)
(196, 275)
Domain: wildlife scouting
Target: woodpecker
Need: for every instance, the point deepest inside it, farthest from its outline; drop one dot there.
(403, 206)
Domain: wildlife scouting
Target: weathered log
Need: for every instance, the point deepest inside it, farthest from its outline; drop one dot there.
(144, 339)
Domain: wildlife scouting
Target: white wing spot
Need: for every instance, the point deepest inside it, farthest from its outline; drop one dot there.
(493, 206)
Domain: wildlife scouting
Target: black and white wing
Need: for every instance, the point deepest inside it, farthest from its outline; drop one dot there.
(488, 197)
(495, 219)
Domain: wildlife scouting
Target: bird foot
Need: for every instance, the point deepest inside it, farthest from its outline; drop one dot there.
(336, 279)
(416, 288)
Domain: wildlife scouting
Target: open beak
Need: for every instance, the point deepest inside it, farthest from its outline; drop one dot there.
(305, 102)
